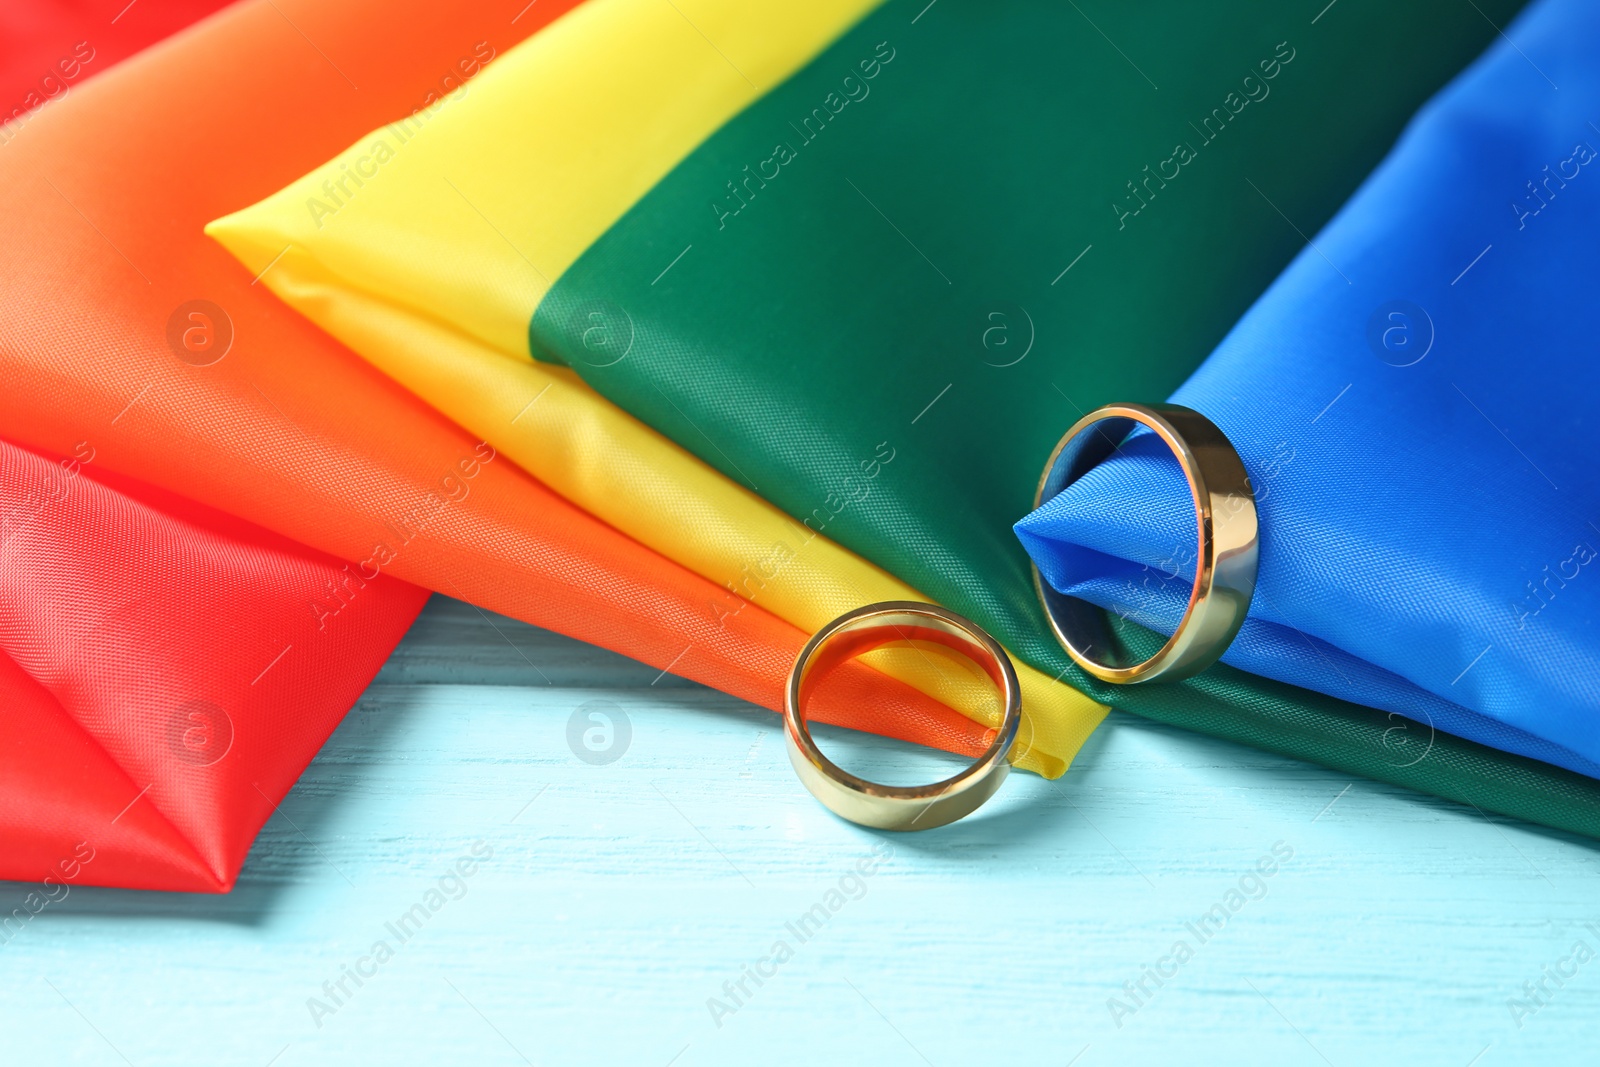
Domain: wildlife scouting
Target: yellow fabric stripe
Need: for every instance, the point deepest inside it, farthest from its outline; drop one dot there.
(470, 210)
(427, 246)
(548, 421)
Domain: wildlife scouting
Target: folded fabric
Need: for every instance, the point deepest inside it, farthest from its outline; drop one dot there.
(809, 319)
(1409, 398)
(147, 736)
(607, 135)
(390, 246)
(128, 327)
(165, 676)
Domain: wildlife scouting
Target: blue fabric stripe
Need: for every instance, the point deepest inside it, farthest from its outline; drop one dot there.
(1415, 400)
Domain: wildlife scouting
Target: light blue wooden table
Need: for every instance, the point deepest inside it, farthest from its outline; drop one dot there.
(618, 898)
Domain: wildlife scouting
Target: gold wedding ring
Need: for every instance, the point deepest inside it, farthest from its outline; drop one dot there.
(920, 807)
(1225, 565)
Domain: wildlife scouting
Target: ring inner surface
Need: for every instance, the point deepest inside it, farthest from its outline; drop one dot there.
(1092, 632)
(863, 635)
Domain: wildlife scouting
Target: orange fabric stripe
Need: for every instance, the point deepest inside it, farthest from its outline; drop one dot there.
(106, 195)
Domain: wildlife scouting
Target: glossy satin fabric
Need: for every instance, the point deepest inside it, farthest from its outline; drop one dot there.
(942, 264)
(911, 273)
(47, 47)
(134, 710)
(340, 287)
(106, 195)
(164, 674)
(426, 245)
(1414, 401)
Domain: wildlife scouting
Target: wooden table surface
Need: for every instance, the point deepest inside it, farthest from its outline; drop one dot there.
(638, 847)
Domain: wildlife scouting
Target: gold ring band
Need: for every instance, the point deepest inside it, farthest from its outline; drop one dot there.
(920, 807)
(1228, 546)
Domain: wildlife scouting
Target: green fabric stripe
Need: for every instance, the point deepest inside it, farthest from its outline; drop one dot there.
(895, 244)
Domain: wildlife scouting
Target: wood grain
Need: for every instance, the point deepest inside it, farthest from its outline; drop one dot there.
(620, 897)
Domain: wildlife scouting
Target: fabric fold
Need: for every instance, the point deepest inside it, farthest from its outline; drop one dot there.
(1428, 508)
(733, 356)
(134, 711)
(398, 247)
(253, 411)
(167, 673)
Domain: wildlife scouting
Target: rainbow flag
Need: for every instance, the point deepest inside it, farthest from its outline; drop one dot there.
(862, 264)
